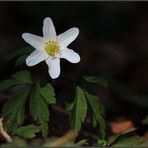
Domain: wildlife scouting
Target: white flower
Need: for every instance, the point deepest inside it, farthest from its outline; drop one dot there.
(50, 48)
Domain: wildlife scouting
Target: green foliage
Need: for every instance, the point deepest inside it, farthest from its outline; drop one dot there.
(16, 141)
(22, 77)
(48, 93)
(25, 51)
(101, 142)
(129, 138)
(98, 112)
(28, 131)
(14, 109)
(39, 101)
(79, 109)
(81, 142)
(97, 80)
(20, 60)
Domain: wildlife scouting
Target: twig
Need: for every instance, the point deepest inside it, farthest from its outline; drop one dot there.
(3, 132)
(71, 135)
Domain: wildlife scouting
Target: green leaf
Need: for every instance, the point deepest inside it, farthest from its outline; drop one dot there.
(79, 109)
(130, 141)
(81, 142)
(22, 77)
(47, 93)
(5, 84)
(20, 60)
(97, 80)
(112, 139)
(102, 142)
(129, 138)
(28, 131)
(69, 106)
(19, 52)
(39, 110)
(16, 142)
(13, 111)
(98, 111)
(94, 121)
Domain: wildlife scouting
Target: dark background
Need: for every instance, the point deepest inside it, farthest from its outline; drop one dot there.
(113, 43)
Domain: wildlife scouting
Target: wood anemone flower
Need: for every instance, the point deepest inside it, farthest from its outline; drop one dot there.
(50, 48)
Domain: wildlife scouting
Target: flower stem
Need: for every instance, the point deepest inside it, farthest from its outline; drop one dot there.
(3, 132)
(71, 135)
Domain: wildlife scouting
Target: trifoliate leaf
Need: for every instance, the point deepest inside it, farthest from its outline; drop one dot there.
(97, 80)
(98, 111)
(20, 60)
(22, 77)
(13, 111)
(28, 131)
(39, 110)
(47, 93)
(79, 109)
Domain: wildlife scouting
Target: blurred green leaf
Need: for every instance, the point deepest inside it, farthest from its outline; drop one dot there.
(22, 77)
(101, 142)
(18, 52)
(112, 139)
(16, 142)
(129, 138)
(5, 84)
(20, 60)
(39, 107)
(81, 142)
(98, 111)
(97, 80)
(94, 121)
(13, 110)
(28, 131)
(79, 110)
(130, 141)
(69, 106)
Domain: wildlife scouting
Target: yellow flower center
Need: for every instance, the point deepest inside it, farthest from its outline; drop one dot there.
(52, 48)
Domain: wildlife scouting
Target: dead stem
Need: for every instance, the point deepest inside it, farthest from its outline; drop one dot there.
(71, 135)
(3, 132)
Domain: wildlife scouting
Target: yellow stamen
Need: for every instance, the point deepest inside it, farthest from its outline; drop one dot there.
(52, 48)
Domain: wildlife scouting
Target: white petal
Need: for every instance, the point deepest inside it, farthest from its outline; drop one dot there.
(54, 67)
(49, 32)
(36, 41)
(36, 57)
(70, 55)
(67, 37)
